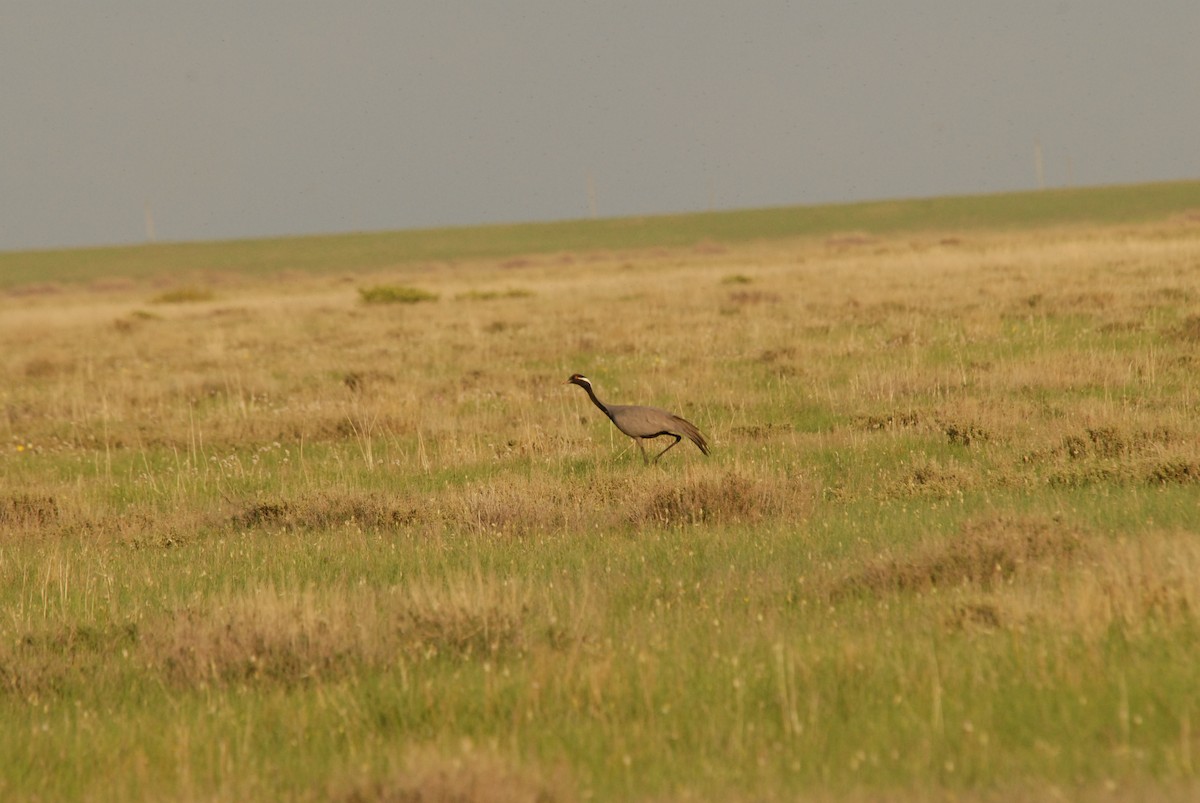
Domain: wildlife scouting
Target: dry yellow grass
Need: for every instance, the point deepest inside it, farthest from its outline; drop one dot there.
(846, 328)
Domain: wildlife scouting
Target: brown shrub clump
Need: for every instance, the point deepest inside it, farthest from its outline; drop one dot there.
(927, 476)
(725, 498)
(324, 510)
(984, 554)
(1188, 331)
(297, 636)
(27, 510)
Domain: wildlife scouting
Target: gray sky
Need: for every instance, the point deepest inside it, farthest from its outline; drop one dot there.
(244, 119)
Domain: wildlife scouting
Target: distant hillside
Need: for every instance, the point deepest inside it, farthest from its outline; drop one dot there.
(379, 250)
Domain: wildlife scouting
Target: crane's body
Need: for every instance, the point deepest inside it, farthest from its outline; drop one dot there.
(644, 423)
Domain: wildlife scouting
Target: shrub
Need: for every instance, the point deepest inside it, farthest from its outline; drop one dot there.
(184, 295)
(984, 553)
(395, 294)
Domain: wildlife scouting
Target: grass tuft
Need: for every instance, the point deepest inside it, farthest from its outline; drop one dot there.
(269, 636)
(184, 295)
(395, 294)
(28, 510)
(726, 497)
(1189, 330)
(324, 510)
(492, 295)
(983, 554)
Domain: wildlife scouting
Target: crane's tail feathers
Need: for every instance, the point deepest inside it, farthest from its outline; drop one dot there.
(693, 434)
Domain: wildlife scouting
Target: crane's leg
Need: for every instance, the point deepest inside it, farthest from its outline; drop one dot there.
(664, 451)
(642, 449)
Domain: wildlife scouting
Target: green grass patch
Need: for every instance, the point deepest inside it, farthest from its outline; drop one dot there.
(395, 294)
(182, 295)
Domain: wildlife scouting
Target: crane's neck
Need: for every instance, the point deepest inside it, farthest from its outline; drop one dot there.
(587, 386)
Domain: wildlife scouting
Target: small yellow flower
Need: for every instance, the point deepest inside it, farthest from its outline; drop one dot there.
(20, 447)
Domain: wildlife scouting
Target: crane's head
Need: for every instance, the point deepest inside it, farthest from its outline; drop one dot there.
(579, 379)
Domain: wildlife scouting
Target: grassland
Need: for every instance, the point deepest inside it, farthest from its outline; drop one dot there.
(262, 539)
